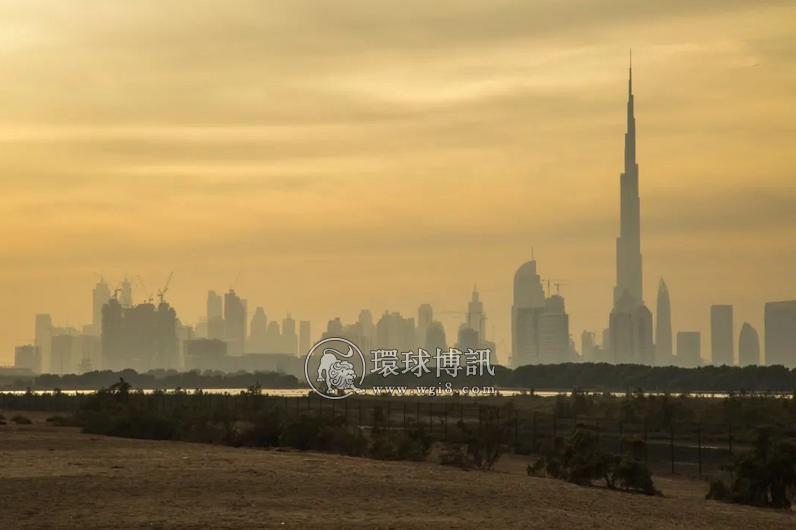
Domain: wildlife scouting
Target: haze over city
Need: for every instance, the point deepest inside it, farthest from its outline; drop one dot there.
(384, 155)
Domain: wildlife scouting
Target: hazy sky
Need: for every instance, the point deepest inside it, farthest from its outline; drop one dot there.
(381, 154)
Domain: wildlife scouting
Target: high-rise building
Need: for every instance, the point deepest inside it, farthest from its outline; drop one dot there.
(630, 328)
(748, 346)
(126, 297)
(289, 336)
(630, 323)
(206, 354)
(365, 322)
(273, 338)
(394, 332)
(435, 338)
(663, 329)
(215, 316)
(529, 299)
(305, 339)
(141, 337)
(43, 332)
(722, 349)
(553, 332)
(234, 323)
(257, 332)
(425, 315)
(100, 296)
(540, 326)
(475, 315)
(628, 245)
(27, 358)
(780, 333)
(587, 346)
(689, 349)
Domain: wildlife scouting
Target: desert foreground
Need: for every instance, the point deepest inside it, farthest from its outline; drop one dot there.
(56, 477)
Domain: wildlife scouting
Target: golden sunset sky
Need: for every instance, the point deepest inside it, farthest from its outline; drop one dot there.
(381, 154)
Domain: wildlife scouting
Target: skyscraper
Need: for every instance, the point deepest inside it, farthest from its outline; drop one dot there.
(722, 349)
(289, 336)
(425, 315)
(630, 323)
(528, 299)
(689, 349)
(234, 323)
(44, 327)
(257, 332)
(780, 333)
(663, 330)
(587, 346)
(215, 316)
(305, 340)
(748, 346)
(628, 244)
(100, 297)
(126, 297)
(539, 325)
(475, 315)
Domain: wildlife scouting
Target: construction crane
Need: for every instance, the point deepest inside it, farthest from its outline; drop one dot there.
(149, 296)
(555, 281)
(161, 292)
(558, 287)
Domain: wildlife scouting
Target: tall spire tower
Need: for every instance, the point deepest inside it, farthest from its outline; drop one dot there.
(628, 244)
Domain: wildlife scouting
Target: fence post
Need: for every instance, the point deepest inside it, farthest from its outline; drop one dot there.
(555, 427)
(699, 448)
(516, 431)
(646, 446)
(671, 443)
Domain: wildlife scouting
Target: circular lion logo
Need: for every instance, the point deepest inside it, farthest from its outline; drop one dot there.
(336, 375)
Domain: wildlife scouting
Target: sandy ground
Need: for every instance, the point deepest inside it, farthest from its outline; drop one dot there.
(53, 477)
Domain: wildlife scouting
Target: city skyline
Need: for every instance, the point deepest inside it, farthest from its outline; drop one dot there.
(147, 189)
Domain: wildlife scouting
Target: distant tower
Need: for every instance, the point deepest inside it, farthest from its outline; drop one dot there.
(44, 332)
(587, 346)
(780, 333)
(628, 245)
(257, 331)
(425, 316)
(100, 297)
(215, 316)
(289, 336)
(234, 323)
(305, 340)
(630, 322)
(722, 349)
(748, 346)
(663, 330)
(529, 299)
(475, 315)
(126, 298)
(689, 349)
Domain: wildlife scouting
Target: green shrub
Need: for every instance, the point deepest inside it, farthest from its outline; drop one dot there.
(579, 460)
(766, 476)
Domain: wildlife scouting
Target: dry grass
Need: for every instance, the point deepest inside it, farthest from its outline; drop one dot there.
(55, 477)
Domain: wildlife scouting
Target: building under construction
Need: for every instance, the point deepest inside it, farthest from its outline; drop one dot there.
(142, 337)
